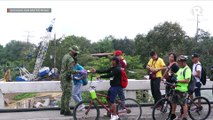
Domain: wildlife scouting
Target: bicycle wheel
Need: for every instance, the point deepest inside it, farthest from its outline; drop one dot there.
(199, 108)
(162, 110)
(130, 109)
(86, 110)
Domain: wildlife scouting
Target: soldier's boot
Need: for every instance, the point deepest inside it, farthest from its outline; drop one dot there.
(62, 112)
(68, 113)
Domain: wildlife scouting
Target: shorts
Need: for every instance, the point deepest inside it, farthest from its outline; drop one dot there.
(113, 92)
(179, 98)
(197, 89)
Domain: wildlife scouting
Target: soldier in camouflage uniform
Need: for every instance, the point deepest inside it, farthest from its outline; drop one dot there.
(65, 77)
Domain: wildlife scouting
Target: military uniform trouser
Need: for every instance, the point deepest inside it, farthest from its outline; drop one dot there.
(66, 86)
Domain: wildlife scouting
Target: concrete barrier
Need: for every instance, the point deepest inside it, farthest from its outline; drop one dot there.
(1, 99)
(54, 86)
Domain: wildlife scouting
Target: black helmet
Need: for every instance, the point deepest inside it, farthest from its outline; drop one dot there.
(195, 55)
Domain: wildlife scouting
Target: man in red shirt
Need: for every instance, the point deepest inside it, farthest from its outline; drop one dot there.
(123, 63)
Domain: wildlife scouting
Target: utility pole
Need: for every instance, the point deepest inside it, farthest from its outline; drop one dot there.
(197, 29)
(28, 39)
(55, 50)
(29, 54)
(55, 47)
(197, 11)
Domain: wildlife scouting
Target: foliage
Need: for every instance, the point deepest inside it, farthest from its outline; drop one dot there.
(134, 67)
(142, 47)
(164, 36)
(61, 47)
(102, 46)
(101, 63)
(144, 97)
(84, 59)
(24, 96)
(129, 49)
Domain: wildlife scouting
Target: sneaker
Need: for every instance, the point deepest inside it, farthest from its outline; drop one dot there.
(173, 117)
(61, 112)
(81, 108)
(114, 117)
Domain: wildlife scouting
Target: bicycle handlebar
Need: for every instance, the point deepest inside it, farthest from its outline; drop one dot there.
(91, 81)
(170, 84)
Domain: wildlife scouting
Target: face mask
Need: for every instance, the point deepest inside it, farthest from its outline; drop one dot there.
(75, 54)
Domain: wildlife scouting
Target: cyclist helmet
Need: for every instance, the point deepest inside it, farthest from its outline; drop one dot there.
(182, 58)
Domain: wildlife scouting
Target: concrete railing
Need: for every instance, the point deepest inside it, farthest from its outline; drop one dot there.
(54, 86)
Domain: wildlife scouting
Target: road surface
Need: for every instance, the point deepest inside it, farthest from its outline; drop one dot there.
(54, 115)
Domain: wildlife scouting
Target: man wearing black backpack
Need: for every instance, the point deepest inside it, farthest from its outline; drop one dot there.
(196, 72)
(199, 74)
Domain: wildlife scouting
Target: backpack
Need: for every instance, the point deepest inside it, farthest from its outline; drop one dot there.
(203, 74)
(124, 78)
(192, 82)
(85, 78)
(85, 81)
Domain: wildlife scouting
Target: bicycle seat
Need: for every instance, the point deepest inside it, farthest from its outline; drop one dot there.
(93, 87)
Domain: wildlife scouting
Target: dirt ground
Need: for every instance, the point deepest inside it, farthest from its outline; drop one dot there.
(10, 103)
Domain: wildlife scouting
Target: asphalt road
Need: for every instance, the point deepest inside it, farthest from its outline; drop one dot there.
(54, 115)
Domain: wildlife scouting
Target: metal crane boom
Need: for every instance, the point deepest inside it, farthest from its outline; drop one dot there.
(43, 49)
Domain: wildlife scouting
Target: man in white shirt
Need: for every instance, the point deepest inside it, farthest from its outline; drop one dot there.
(196, 72)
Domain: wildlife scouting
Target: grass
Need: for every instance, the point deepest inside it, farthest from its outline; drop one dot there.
(24, 96)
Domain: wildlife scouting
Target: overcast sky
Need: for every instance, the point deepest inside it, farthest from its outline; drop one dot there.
(97, 19)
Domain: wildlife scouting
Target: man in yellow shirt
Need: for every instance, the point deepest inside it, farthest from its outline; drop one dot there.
(155, 67)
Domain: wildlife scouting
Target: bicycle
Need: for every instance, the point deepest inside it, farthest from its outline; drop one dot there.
(129, 109)
(163, 108)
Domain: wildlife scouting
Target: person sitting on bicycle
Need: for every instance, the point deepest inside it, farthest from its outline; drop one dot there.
(183, 77)
(114, 73)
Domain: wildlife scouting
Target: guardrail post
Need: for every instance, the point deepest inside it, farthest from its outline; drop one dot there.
(1, 100)
(130, 94)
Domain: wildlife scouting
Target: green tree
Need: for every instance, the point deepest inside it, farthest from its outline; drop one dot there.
(142, 45)
(102, 46)
(2, 55)
(164, 37)
(129, 49)
(62, 48)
